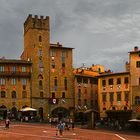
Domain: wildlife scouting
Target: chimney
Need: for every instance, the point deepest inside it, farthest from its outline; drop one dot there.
(135, 48)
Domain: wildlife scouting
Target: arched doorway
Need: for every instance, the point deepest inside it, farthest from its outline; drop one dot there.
(3, 112)
(60, 112)
(14, 113)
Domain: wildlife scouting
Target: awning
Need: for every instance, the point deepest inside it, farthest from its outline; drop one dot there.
(27, 109)
(134, 120)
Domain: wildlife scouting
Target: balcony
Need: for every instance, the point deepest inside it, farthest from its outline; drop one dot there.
(15, 74)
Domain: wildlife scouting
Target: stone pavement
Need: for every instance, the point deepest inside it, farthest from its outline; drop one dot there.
(27, 131)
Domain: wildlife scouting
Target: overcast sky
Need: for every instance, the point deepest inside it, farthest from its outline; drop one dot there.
(101, 31)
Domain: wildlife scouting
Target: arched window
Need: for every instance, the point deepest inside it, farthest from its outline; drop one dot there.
(14, 94)
(137, 100)
(3, 94)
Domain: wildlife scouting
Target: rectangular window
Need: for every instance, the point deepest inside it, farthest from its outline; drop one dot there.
(53, 94)
(126, 81)
(104, 97)
(118, 81)
(103, 82)
(111, 96)
(118, 96)
(110, 81)
(23, 69)
(63, 94)
(126, 96)
(52, 52)
(1, 68)
(79, 80)
(53, 64)
(65, 83)
(13, 69)
(23, 81)
(2, 81)
(40, 53)
(138, 64)
(13, 81)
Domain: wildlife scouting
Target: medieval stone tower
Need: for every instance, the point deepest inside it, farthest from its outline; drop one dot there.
(36, 50)
(51, 76)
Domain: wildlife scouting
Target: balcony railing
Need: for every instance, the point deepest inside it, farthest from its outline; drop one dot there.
(15, 74)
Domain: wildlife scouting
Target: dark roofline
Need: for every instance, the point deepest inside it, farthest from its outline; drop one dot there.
(14, 61)
(110, 74)
(84, 75)
(59, 47)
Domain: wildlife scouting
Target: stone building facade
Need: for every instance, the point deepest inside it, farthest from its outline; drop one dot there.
(49, 79)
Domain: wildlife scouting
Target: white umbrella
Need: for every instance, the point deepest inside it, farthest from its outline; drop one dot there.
(134, 120)
(27, 109)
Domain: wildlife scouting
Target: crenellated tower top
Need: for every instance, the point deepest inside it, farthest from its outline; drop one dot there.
(36, 23)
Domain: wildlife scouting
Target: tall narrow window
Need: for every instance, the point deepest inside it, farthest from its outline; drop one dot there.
(13, 69)
(55, 83)
(23, 69)
(23, 81)
(103, 82)
(63, 94)
(118, 96)
(40, 38)
(3, 94)
(1, 68)
(40, 52)
(13, 81)
(118, 81)
(104, 97)
(138, 64)
(2, 81)
(126, 96)
(52, 52)
(40, 85)
(63, 59)
(65, 83)
(53, 94)
(137, 100)
(126, 81)
(13, 94)
(111, 96)
(110, 81)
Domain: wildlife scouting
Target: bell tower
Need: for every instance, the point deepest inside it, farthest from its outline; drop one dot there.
(36, 50)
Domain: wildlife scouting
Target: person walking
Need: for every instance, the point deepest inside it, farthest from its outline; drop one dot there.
(7, 123)
(60, 128)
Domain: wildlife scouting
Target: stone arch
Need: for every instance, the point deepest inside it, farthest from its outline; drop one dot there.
(60, 112)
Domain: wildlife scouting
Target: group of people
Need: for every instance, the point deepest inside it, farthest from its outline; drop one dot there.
(62, 124)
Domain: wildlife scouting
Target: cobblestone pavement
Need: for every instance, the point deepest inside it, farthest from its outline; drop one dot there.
(24, 131)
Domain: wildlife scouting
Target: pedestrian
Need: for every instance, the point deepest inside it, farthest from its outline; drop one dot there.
(60, 128)
(7, 122)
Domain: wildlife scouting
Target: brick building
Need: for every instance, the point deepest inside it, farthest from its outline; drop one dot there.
(47, 71)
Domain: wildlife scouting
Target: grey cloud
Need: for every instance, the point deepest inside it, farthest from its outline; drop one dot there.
(97, 29)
